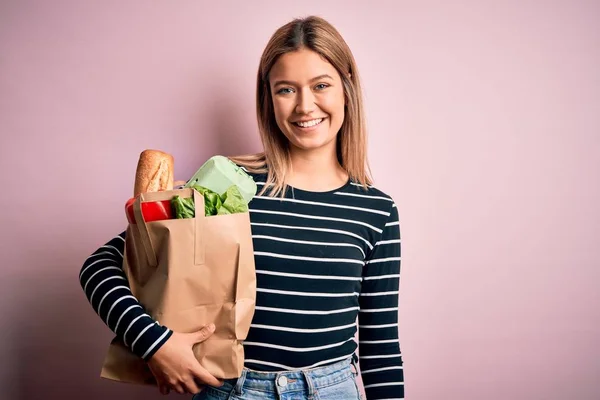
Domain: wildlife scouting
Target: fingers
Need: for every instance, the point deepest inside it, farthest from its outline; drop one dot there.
(164, 389)
(177, 369)
(203, 376)
(188, 385)
(191, 386)
(163, 386)
(179, 388)
(203, 334)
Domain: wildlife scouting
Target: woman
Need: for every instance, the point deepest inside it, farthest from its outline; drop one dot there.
(327, 245)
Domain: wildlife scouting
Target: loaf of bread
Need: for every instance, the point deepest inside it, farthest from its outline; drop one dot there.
(154, 172)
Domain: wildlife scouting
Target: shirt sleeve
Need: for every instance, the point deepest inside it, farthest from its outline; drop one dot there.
(107, 290)
(380, 359)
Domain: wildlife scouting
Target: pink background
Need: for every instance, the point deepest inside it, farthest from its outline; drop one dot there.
(484, 125)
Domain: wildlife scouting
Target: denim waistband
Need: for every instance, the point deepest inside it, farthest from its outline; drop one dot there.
(310, 379)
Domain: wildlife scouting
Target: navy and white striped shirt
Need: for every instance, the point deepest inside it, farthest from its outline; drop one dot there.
(322, 260)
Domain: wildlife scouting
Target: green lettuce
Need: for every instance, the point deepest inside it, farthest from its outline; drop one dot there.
(230, 202)
(182, 207)
(233, 202)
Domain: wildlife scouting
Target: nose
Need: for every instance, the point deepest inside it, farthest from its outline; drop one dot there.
(305, 102)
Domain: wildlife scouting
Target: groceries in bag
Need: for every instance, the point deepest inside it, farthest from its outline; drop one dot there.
(190, 269)
(226, 188)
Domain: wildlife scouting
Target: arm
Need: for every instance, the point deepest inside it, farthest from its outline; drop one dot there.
(379, 350)
(169, 354)
(107, 289)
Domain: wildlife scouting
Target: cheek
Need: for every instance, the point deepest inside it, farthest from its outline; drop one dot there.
(334, 105)
(335, 108)
(281, 111)
(338, 115)
(281, 117)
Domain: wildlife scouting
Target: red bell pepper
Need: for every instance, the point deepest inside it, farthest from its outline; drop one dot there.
(151, 210)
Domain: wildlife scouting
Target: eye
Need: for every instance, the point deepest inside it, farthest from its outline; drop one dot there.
(321, 86)
(284, 91)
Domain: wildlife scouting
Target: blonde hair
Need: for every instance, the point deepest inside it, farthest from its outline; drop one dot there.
(320, 36)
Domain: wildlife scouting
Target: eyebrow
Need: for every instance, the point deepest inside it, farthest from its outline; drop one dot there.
(316, 78)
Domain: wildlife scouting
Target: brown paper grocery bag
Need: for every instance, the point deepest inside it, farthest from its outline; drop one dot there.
(188, 273)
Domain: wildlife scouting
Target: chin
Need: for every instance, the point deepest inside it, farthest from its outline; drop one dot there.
(308, 144)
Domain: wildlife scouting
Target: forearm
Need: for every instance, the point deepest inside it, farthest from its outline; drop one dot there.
(379, 350)
(107, 290)
(381, 368)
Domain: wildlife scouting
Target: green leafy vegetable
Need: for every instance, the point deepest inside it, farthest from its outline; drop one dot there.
(182, 207)
(230, 202)
(212, 201)
(233, 202)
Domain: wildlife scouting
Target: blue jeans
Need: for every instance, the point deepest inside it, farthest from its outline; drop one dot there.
(331, 382)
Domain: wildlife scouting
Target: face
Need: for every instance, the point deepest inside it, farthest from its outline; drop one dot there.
(308, 100)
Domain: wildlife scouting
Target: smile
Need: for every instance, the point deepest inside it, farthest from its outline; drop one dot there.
(309, 124)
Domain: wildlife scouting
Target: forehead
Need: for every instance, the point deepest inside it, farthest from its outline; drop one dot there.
(301, 66)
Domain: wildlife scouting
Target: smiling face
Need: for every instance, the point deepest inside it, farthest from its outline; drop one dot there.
(308, 100)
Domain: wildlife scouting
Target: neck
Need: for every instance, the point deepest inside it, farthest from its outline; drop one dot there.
(316, 170)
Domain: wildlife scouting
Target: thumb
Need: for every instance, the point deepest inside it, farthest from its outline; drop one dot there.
(202, 334)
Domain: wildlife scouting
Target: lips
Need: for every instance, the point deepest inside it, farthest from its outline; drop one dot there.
(309, 123)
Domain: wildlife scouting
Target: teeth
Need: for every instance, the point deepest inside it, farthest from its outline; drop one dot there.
(308, 124)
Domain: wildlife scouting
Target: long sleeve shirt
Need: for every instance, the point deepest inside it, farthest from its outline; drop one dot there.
(323, 261)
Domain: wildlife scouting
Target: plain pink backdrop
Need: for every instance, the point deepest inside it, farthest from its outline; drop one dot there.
(484, 121)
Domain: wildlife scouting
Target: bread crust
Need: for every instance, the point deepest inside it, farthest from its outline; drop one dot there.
(154, 172)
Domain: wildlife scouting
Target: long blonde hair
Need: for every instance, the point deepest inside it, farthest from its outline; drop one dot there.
(320, 36)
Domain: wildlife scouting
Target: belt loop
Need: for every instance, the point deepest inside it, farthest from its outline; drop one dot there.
(309, 383)
(240, 383)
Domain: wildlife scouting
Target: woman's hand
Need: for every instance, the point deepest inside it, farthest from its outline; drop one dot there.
(175, 367)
